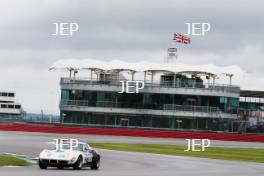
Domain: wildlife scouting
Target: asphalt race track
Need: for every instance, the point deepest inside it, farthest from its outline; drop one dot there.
(116, 163)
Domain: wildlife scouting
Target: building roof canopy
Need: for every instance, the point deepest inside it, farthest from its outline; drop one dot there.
(143, 66)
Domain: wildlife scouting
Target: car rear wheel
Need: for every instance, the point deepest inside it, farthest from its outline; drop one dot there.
(78, 164)
(42, 165)
(95, 163)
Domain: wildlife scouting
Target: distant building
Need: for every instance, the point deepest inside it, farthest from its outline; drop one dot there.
(9, 109)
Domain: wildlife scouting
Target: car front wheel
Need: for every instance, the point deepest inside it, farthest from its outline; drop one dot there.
(95, 163)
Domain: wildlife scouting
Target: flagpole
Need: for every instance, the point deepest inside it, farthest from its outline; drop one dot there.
(176, 46)
(177, 51)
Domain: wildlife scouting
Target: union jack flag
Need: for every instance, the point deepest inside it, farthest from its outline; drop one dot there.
(181, 38)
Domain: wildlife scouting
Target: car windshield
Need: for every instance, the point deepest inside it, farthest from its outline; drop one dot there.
(66, 146)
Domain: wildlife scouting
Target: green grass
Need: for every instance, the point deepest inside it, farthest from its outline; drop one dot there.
(225, 153)
(12, 161)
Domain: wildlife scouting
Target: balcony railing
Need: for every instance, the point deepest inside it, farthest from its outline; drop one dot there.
(167, 84)
(166, 107)
(74, 103)
(204, 109)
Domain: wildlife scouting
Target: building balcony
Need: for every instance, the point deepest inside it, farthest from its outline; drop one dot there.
(152, 87)
(168, 110)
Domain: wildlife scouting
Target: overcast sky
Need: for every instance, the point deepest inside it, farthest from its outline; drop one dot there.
(120, 29)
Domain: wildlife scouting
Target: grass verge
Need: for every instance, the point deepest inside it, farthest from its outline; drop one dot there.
(225, 153)
(12, 161)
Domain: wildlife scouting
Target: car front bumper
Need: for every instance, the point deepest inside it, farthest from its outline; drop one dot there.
(56, 162)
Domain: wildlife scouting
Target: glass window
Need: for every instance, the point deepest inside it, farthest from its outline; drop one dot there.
(11, 106)
(17, 106)
(3, 106)
(65, 95)
(11, 95)
(223, 100)
(66, 146)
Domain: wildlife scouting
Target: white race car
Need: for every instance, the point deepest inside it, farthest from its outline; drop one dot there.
(77, 157)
